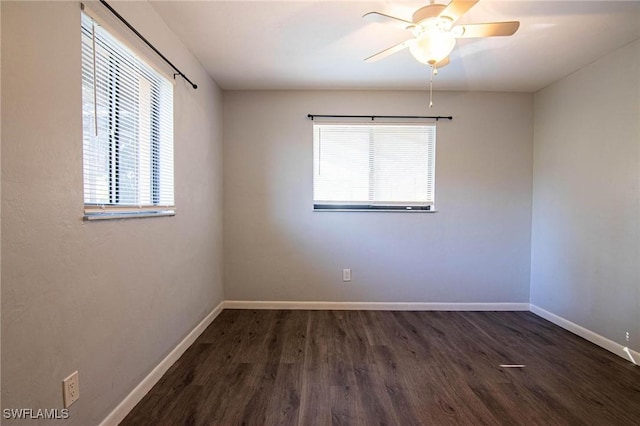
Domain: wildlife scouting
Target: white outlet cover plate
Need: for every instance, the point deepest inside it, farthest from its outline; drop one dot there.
(346, 275)
(71, 389)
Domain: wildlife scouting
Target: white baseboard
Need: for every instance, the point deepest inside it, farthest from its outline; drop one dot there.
(603, 342)
(136, 395)
(375, 306)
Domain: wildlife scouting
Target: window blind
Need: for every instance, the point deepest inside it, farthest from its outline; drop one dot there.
(127, 110)
(374, 166)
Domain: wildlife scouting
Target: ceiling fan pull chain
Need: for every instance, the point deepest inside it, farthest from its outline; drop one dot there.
(431, 86)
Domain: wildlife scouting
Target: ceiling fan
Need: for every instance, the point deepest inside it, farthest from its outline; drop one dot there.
(434, 33)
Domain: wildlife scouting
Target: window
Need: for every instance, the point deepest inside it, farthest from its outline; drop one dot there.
(374, 166)
(127, 127)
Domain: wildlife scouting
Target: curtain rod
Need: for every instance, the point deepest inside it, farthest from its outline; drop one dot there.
(373, 117)
(124, 21)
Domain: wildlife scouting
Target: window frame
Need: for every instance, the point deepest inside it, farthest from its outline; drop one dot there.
(115, 208)
(376, 207)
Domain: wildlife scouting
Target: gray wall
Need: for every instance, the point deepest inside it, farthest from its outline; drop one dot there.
(0, 206)
(112, 298)
(475, 249)
(585, 256)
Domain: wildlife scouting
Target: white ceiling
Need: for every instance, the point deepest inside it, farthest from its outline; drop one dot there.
(321, 44)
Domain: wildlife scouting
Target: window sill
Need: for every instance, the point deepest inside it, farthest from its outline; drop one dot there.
(376, 210)
(127, 215)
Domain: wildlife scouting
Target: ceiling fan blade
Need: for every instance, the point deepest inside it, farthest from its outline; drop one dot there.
(457, 8)
(442, 63)
(382, 18)
(491, 29)
(390, 51)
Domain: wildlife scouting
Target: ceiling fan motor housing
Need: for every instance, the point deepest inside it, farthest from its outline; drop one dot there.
(427, 12)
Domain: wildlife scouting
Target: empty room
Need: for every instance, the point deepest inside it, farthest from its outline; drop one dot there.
(315, 212)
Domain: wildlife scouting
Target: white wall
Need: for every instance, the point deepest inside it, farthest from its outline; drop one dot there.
(475, 249)
(586, 198)
(108, 298)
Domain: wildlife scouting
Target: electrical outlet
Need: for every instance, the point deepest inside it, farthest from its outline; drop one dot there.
(71, 389)
(346, 275)
(626, 336)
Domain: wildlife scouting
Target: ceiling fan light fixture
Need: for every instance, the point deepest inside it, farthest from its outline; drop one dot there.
(435, 33)
(433, 46)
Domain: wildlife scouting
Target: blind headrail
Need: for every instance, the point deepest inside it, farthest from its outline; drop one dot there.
(373, 117)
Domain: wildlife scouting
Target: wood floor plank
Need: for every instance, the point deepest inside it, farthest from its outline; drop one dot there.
(254, 405)
(225, 404)
(343, 403)
(284, 401)
(388, 369)
(395, 368)
(185, 371)
(257, 337)
(315, 385)
(294, 337)
(349, 340)
(376, 405)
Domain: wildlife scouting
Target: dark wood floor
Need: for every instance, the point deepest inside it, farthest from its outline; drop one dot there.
(393, 368)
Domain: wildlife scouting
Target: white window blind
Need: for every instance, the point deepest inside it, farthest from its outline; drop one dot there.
(127, 110)
(374, 166)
